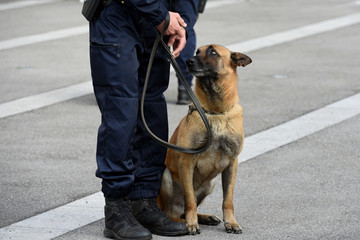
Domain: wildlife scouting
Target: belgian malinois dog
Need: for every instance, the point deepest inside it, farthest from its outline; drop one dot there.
(189, 178)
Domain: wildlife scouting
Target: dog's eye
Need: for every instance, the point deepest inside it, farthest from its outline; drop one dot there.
(213, 52)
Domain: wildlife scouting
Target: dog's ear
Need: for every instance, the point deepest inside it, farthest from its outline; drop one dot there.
(239, 59)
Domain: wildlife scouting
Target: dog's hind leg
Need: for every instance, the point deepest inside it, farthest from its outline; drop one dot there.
(201, 194)
(208, 219)
(181, 220)
(165, 197)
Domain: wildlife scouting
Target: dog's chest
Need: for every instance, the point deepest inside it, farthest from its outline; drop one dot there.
(224, 148)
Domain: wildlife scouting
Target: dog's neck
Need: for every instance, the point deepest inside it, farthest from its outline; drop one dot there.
(216, 97)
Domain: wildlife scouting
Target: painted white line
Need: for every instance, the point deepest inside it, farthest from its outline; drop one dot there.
(57, 221)
(28, 3)
(300, 127)
(297, 33)
(20, 4)
(246, 46)
(63, 33)
(45, 99)
(215, 4)
(84, 211)
(43, 37)
(352, 3)
(89, 209)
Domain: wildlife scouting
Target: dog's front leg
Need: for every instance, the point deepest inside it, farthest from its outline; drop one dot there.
(186, 173)
(228, 184)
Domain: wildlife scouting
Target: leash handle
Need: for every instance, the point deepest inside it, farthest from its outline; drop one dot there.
(186, 86)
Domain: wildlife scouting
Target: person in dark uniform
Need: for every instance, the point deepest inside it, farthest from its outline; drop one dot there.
(130, 163)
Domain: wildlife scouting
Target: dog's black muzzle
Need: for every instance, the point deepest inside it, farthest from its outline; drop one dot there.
(190, 62)
(194, 66)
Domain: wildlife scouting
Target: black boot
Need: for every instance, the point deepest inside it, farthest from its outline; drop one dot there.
(147, 212)
(120, 222)
(183, 97)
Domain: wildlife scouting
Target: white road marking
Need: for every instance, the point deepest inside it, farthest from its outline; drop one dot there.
(45, 99)
(28, 3)
(24, 104)
(67, 32)
(297, 33)
(76, 214)
(84, 211)
(57, 221)
(215, 4)
(20, 4)
(300, 127)
(43, 37)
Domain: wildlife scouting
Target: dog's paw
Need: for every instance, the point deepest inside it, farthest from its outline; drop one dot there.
(233, 228)
(193, 229)
(209, 219)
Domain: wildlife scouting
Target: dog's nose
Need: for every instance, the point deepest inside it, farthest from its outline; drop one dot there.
(190, 61)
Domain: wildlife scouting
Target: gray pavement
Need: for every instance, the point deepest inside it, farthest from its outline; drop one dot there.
(308, 189)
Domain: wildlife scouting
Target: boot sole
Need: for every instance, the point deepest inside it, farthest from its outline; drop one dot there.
(110, 234)
(169, 234)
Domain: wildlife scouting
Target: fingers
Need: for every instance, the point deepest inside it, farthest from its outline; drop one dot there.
(178, 46)
(181, 21)
(176, 31)
(176, 25)
(171, 40)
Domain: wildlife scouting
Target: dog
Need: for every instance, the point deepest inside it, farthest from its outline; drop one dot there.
(189, 178)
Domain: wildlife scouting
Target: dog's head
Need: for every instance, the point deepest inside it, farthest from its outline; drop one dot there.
(214, 67)
(214, 61)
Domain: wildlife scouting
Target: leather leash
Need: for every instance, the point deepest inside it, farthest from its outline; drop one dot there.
(192, 96)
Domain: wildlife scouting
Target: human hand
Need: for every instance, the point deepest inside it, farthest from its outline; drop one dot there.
(178, 45)
(176, 31)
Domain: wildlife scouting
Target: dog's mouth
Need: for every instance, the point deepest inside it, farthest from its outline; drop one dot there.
(195, 72)
(201, 72)
(195, 68)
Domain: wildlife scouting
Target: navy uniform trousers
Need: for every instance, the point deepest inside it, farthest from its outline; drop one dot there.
(130, 163)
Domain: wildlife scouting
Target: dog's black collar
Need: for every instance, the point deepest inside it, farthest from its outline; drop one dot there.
(193, 108)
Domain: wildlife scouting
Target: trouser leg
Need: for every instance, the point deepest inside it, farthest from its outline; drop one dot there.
(128, 160)
(115, 82)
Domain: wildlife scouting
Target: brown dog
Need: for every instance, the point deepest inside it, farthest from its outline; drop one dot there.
(189, 178)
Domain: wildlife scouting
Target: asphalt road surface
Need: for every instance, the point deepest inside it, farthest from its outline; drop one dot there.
(298, 175)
